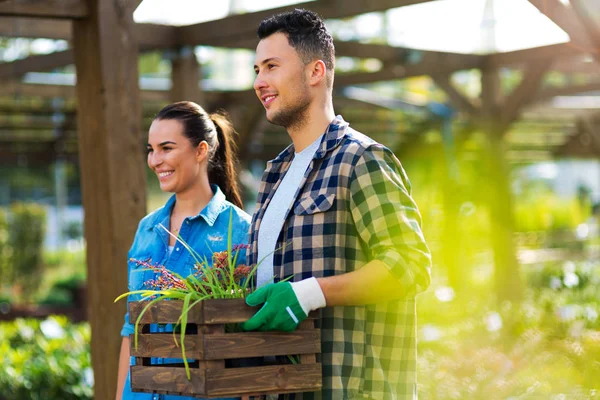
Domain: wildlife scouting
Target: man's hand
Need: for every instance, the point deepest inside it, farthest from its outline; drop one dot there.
(285, 305)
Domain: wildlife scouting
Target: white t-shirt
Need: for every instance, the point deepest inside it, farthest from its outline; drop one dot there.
(274, 217)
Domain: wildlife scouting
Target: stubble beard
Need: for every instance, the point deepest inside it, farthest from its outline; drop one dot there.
(293, 117)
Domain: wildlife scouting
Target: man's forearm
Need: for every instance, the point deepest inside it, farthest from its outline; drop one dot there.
(372, 283)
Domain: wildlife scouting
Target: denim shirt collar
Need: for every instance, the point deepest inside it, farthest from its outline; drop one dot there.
(208, 213)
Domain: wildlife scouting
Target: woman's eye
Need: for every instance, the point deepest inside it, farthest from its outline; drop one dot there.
(149, 150)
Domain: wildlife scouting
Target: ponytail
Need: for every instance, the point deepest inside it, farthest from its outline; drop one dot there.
(222, 171)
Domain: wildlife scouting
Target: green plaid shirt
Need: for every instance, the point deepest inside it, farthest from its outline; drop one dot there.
(353, 206)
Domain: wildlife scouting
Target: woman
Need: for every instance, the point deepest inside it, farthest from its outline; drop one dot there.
(191, 153)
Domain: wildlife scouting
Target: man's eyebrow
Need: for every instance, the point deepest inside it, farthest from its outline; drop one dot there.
(266, 60)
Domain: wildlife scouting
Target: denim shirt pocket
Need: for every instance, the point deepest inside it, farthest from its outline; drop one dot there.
(313, 205)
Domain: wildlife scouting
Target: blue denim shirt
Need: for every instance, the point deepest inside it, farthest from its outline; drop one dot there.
(205, 233)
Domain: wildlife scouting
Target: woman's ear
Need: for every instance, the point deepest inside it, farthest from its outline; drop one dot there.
(318, 72)
(202, 151)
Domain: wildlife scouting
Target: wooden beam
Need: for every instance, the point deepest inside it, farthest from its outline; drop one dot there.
(576, 65)
(521, 57)
(459, 100)
(36, 63)
(153, 37)
(60, 9)
(132, 5)
(113, 178)
(525, 92)
(185, 76)
(432, 63)
(35, 28)
(570, 90)
(63, 91)
(566, 19)
(590, 25)
(149, 36)
(236, 28)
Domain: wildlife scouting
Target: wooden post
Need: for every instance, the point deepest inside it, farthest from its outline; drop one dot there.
(185, 76)
(112, 170)
(507, 280)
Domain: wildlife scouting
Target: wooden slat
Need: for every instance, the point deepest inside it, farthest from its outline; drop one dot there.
(224, 311)
(167, 380)
(256, 344)
(227, 311)
(269, 379)
(163, 312)
(210, 312)
(227, 382)
(69, 9)
(163, 345)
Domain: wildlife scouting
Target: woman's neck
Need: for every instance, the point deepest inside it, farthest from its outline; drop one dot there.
(191, 202)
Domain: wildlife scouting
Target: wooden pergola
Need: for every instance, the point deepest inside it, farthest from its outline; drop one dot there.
(104, 124)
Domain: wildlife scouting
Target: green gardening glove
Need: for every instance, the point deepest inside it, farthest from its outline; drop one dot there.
(281, 310)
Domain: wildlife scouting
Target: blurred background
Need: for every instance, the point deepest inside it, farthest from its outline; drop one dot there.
(492, 106)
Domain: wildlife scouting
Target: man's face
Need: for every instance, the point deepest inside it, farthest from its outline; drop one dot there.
(281, 81)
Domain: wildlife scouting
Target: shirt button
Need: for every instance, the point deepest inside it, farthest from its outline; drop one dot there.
(187, 222)
(177, 249)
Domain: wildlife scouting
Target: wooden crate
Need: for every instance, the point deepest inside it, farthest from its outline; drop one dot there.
(211, 346)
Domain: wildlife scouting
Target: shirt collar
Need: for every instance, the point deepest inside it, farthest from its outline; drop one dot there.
(209, 213)
(331, 139)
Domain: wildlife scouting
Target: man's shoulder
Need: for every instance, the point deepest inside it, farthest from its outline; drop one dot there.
(356, 143)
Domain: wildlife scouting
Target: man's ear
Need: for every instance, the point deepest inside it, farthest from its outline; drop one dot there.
(202, 151)
(318, 72)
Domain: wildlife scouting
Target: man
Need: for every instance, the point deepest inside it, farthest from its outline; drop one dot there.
(335, 214)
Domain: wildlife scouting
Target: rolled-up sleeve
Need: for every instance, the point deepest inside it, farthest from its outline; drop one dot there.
(387, 218)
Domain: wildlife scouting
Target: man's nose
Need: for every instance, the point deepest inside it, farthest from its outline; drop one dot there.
(259, 82)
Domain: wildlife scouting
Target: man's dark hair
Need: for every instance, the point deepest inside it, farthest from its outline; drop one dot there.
(306, 33)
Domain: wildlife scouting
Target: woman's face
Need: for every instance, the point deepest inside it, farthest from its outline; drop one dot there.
(171, 156)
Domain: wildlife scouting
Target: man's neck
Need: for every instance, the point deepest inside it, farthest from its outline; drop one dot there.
(316, 122)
